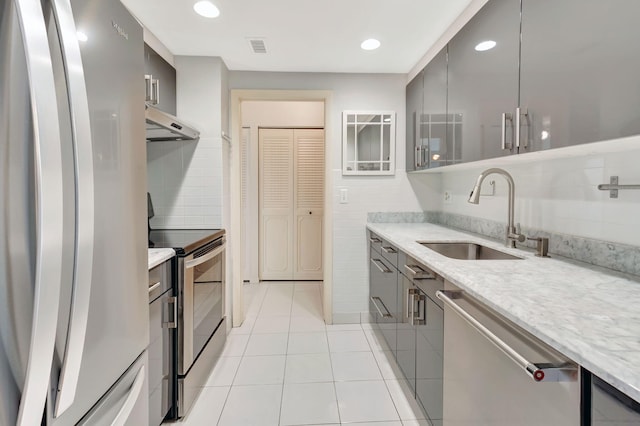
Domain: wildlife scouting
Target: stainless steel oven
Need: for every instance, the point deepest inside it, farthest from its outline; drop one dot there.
(201, 310)
(201, 300)
(199, 288)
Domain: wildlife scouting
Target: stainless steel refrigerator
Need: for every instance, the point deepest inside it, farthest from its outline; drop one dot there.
(73, 244)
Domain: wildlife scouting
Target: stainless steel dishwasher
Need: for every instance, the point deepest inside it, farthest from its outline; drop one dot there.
(496, 373)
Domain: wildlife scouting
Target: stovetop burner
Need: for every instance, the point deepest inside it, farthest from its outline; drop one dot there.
(183, 241)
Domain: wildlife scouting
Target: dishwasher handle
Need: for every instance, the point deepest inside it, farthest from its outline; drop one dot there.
(539, 372)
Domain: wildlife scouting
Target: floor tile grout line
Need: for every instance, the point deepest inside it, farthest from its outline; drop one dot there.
(224, 405)
(385, 381)
(286, 357)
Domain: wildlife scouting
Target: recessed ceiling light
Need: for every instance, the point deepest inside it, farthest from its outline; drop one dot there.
(82, 36)
(485, 45)
(370, 44)
(207, 9)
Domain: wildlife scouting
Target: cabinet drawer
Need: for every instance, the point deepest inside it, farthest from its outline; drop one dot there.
(160, 280)
(375, 242)
(390, 253)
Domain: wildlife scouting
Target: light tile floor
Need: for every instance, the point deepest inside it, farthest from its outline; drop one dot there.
(284, 366)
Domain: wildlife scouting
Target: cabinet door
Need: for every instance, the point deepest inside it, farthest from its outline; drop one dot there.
(579, 72)
(161, 70)
(414, 111)
(429, 360)
(483, 85)
(437, 149)
(610, 407)
(406, 356)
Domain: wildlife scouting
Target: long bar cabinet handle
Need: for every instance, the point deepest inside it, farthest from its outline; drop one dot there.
(382, 268)
(373, 300)
(506, 116)
(539, 372)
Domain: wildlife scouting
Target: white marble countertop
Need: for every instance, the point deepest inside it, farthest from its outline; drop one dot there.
(158, 256)
(590, 314)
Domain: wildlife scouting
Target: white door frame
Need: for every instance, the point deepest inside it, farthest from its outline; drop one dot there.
(235, 227)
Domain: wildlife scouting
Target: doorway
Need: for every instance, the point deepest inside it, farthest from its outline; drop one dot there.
(238, 99)
(240, 240)
(291, 203)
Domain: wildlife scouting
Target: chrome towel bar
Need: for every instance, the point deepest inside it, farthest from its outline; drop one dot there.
(613, 187)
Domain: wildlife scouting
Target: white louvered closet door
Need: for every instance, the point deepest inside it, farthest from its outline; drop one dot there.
(276, 200)
(291, 203)
(308, 203)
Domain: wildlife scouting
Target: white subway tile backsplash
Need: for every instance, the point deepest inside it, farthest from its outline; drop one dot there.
(558, 195)
(185, 183)
(193, 220)
(174, 221)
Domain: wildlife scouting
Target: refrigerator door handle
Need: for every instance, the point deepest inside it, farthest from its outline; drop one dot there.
(84, 184)
(49, 213)
(130, 401)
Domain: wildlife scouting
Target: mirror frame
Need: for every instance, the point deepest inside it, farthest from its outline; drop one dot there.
(392, 144)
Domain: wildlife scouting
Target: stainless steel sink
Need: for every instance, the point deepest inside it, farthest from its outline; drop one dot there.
(468, 251)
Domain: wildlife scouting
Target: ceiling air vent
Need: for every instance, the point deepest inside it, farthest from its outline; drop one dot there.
(257, 45)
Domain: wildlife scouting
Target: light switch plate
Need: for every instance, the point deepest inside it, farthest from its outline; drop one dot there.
(344, 196)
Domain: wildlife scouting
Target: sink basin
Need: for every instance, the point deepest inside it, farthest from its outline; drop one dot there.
(468, 251)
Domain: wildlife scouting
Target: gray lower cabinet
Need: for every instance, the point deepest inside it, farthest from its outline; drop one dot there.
(483, 85)
(429, 351)
(383, 284)
(162, 317)
(607, 405)
(420, 336)
(382, 298)
(579, 71)
(406, 353)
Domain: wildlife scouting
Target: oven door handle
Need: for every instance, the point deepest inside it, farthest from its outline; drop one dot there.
(207, 257)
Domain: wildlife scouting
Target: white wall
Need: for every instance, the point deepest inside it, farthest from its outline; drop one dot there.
(186, 178)
(560, 194)
(256, 114)
(383, 193)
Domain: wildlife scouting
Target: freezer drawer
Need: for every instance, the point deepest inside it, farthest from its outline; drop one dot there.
(126, 403)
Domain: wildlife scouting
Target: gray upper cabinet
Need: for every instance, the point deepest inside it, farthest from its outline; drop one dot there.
(483, 85)
(162, 71)
(427, 143)
(413, 113)
(580, 71)
(435, 145)
(553, 73)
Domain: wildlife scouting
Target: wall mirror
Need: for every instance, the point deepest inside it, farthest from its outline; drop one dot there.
(368, 142)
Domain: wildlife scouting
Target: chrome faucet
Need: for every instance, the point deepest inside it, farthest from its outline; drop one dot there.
(512, 234)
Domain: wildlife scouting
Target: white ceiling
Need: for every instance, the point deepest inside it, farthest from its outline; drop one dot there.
(303, 35)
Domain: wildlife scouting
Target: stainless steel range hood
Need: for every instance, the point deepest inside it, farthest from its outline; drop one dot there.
(162, 126)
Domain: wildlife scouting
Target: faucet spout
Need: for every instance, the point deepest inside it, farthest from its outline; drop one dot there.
(512, 235)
